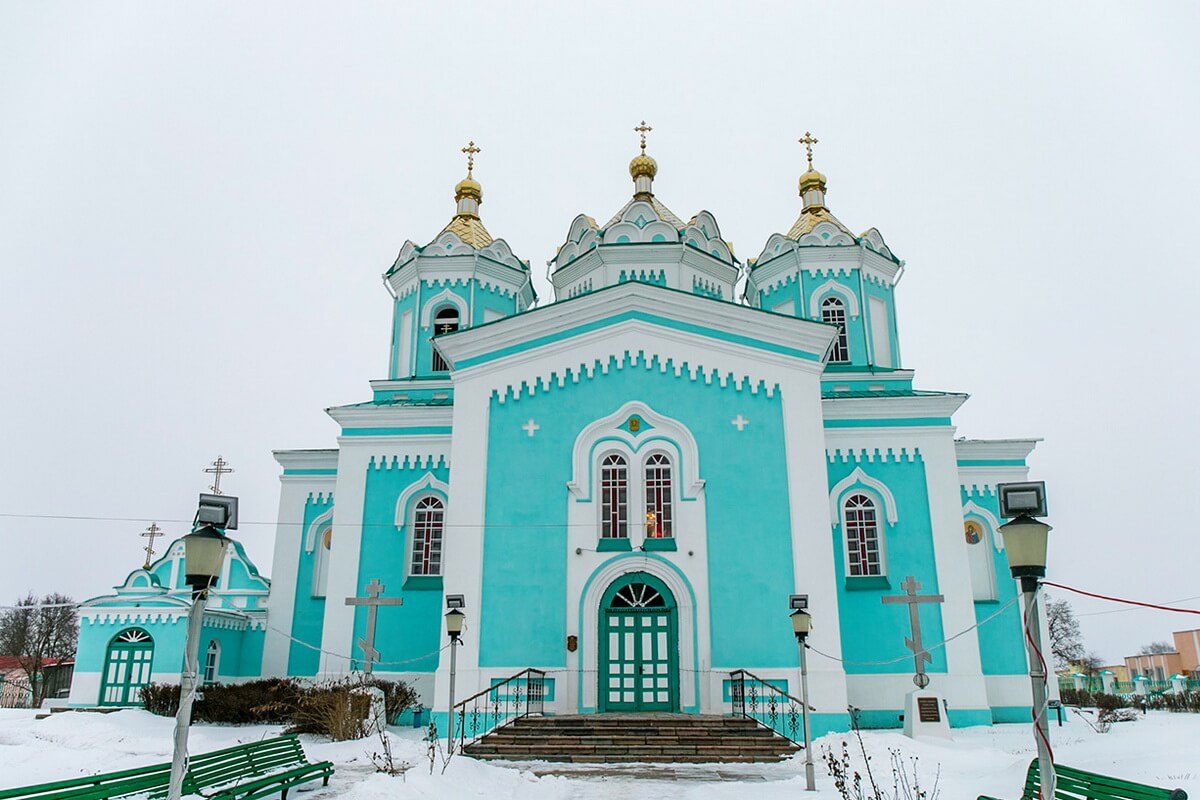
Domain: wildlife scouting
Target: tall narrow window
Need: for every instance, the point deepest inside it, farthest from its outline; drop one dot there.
(211, 659)
(833, 312)
(614, 498)
(658, 496)
(862, 536)
(428, 520)
(321, 562)
(444, 321)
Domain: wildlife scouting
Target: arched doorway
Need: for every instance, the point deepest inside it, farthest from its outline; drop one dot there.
(126, 668)
(639, 646)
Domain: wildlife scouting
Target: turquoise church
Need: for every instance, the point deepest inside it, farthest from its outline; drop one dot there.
(625, 483)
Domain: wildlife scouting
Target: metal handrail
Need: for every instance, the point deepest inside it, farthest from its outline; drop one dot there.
(498, 705)
(754, 698)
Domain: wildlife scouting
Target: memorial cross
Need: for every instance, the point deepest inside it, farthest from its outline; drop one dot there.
(912, 600)
(372, 601)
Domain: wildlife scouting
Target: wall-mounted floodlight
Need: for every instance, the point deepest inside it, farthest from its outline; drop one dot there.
(455, 601)
(218, 510)
(798, 602)
(1027, 498)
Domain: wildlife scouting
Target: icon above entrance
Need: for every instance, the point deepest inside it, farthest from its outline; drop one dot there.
(639, 646)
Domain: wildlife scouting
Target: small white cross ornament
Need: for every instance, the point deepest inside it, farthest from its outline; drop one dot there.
(531, 427)
(740, 421)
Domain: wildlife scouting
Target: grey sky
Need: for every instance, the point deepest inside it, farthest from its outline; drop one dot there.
(197, 202)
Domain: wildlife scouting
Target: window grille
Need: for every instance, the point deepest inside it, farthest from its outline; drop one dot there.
(833, 312)
(614, 494)
(428, 521)
(862, 536)
(658, 497)
(444, 321)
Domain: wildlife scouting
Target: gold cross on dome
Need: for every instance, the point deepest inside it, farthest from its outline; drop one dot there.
(808, 141)
(219, 467)
(471, 150)
(643, 129)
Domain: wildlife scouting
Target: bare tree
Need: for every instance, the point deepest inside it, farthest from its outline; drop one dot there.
(1089, 663)
(37, 631)
(1066, 640)
(1154, 648)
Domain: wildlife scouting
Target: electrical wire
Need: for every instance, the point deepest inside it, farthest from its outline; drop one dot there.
(1155, 606)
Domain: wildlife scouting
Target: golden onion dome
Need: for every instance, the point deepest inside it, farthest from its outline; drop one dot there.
(643, 165)
(811, 180)
(468, 187)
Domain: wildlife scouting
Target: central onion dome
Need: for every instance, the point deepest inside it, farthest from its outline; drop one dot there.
(643, 165)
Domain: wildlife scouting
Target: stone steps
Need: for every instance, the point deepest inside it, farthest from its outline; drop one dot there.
(630, 738)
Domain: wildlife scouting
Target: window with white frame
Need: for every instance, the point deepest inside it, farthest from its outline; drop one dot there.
(658, 496)
(212, 658)
(445, 320)
(614, 497)
(833, 312)
(860, 520)
(429, 514)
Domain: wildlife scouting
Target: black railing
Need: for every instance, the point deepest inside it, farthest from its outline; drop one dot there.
(498, 705)
(767, 704)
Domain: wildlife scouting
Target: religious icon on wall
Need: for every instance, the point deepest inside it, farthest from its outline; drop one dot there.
(973, 533)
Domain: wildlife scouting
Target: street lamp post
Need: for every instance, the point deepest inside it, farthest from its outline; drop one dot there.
(801, 625)
(203, 557)
(1025, 540)
(454, 626)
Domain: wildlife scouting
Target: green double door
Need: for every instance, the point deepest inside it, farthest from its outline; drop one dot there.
(127, 668)
(639, 647)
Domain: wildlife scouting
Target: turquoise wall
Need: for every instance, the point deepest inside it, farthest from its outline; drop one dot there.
(525, 544)
(1001, 640)
(308, 612)
(872, 631)
(477, 298)
(410, 633)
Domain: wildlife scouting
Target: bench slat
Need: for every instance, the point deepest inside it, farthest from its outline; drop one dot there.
(1078, 784)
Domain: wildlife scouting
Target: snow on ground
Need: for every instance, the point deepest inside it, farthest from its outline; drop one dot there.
(1160, 749)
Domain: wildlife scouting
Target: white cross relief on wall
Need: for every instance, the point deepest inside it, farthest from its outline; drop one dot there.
(740, 421)
(531, 427)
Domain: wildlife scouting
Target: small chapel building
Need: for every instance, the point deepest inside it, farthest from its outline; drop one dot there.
(625, 484)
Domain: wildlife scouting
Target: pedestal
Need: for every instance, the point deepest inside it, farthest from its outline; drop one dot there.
(925, 715)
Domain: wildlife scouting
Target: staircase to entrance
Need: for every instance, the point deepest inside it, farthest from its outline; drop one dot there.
(629, 738)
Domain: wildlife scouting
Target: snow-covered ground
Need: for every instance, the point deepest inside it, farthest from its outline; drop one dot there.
(1161, 749)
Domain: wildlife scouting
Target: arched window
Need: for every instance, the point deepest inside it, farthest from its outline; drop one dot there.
(658, 496)
(861, 524)
(614, 497)
(321, 562)
(212, 659)
(444, 321)
(833, 312)
(428, 520)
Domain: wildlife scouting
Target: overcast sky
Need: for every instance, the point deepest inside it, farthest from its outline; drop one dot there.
(197, 202)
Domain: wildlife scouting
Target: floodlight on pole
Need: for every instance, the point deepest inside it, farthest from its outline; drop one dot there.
(203, 558)
(801, 625)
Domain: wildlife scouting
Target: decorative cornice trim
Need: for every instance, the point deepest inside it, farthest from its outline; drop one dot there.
(832, 287)
(427, 482)
(859, 477)
(310, 537)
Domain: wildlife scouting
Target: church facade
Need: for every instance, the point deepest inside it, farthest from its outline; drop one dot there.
(626, 484)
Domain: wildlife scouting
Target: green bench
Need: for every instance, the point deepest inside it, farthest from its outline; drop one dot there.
(1076, 784)
(243, 772)
(254, 770)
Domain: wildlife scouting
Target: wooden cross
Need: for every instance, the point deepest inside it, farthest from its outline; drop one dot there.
(471, 150)
(808, 141)
(151, 533)
(219, 467)
(372, 601)
(643, 129)
(912, 599)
